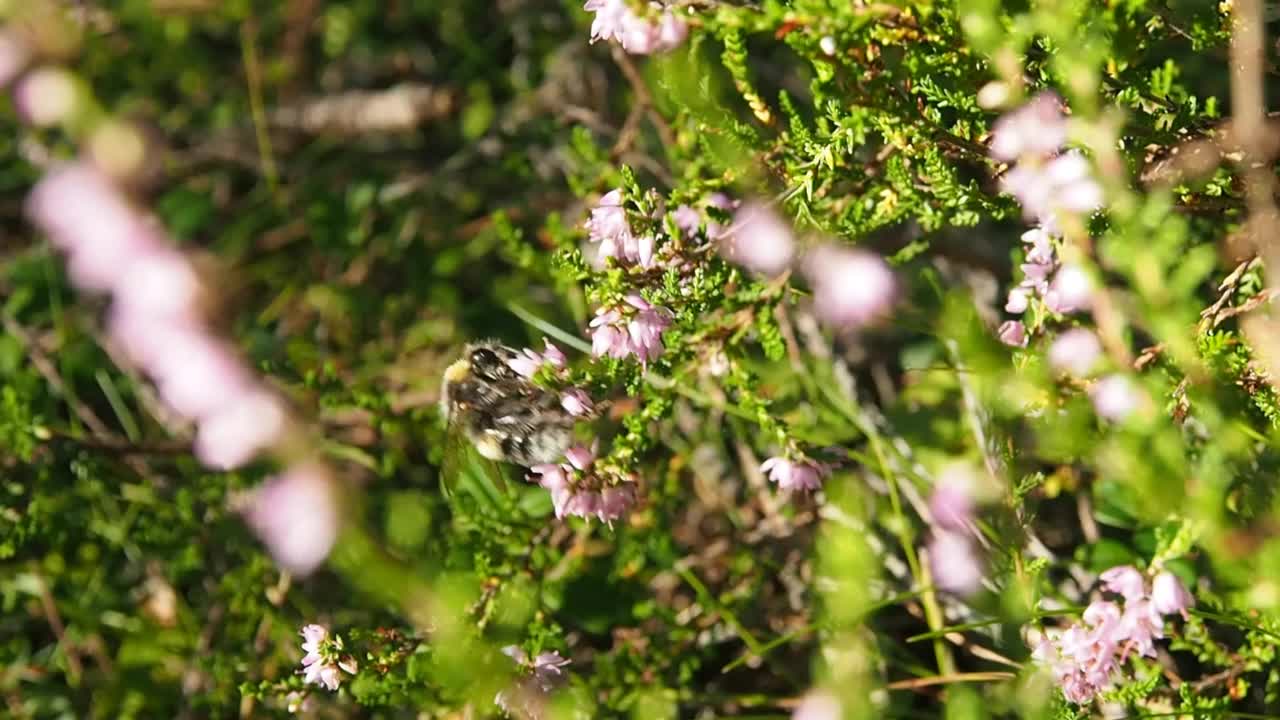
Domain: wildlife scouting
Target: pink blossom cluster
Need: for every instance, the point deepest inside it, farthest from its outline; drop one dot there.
(1062, 289)
(324, 661)
(852, 288)
(688, 219)
(631, 328)
(296, 513)
(1044, 179)
(155, 315)
(543, 673)
(759, 240)
(800, 474)
(610, 229)
(1084, 657)
(954, 561)
(637, 34)
(578, 490)
(156, 319)
(574, 400)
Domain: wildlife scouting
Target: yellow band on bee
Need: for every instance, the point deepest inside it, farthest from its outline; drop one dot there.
(458, 371)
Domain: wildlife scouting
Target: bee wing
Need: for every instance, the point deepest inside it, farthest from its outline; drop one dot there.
(463, 470)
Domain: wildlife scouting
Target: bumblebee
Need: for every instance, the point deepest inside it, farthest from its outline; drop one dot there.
(504, 415)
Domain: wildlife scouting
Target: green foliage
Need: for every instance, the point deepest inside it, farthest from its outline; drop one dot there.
(350, 265)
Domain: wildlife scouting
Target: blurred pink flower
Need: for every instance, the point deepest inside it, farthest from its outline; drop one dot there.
(1168, 596)
(1075, 351)
(1064, 183)
(1125, 581)
(851, 288)
(1070, 290)
(611, 17)
(235, 433)
(1114, 397)
(954, 563)
(687, 219)
(86, 217)
(795, 475)
(196, 374)
(297, 516)
(818, 705)
(1041, 246)
(759, 240)
(46, 96)
(158, 286)
(951, 502)
(1038, 128)
(1012, 333)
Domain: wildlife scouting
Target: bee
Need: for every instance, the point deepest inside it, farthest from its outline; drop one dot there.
(503, 414)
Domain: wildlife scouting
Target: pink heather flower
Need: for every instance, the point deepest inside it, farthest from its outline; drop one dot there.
(1070, 290)
(233, 435)
(573, 488)
(818, 705)
(46, 96)
(954, 563)
(322, 664)
(547, 669)
(759, 240)
(1062, 184)
(1013, 333)
(609, 20)
(312, 637)
(197, 375)
(851, 288)
(526, 364)
(951, 503)
(633, 328)
(1075, 351)
(158, 286)
(1018, 300)
(1114, 397)
(1037, 129)
(615, 20)
(527, 699)
(553, 355)
(1168, 596)
(1140, 626)
(296, 515)
(576, 403)
(687, 219)
(795, 475)
(1125, 581)
(609, 227)
(1041, 246)
(85, 216)
(1072, 179)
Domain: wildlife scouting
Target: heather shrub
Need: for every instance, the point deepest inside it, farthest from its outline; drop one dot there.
(681, 359)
